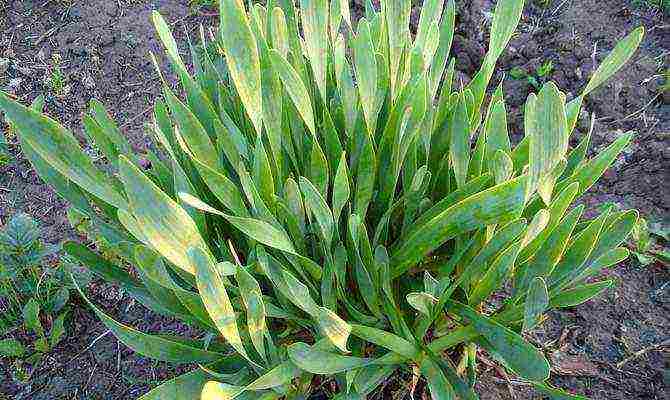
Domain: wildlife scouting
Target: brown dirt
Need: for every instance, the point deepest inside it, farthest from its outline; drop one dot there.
(104, 47)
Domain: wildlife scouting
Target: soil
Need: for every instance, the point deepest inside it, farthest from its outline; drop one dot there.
(103, 47)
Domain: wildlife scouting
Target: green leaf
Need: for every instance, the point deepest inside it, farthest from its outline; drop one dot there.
(505, 20)
(501, 166)
(439, 386)
(497, 137)
(556, 394)
(322, 362)
(11, 348)
(256, 229)
(443, 48)
(314, 16)
(158, 216)
(341, 191)
(551, 250)
(621, 53)
(31, 317)
(397, 15)
(242, 58)
(335, 328)
(57, 330)
(60, 149)
(580, 294)
(484, 208)
(592, 170)
(216, 300)
(537, 302)
(459, 150)
(495, 277)
(386, 340)
(295, 88)
(519, 355)
(548, 137)
(365, 177)
(186, 386)
(319, 209)
(252, 297)
(365, 65)
(156, 347)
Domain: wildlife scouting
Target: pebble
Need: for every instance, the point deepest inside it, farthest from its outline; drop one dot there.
(4, 65)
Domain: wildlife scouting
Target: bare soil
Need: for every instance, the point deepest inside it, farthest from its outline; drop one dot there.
(103, 46)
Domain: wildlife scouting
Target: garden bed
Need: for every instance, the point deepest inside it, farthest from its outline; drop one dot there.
(103, 53)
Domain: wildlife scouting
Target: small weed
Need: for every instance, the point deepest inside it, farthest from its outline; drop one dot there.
(663, 5)
(57, 80)
(665, 86)
(537, 77)
(30, 291)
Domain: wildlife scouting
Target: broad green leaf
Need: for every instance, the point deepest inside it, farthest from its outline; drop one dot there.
(192, 131)
(318, 168)
(299, 294)
(536, 304)
(537, 225)
(577, 253)
(365, 178)
(252, 297)
(579, 294)
(551, 251)
(323, 362)
(262, 173)
(242, 58)
(197, 98)
(314, 16)
(341, 191)
(439, 386)
(505, 20)
(386, 340)
(519, 355)
(59, 148)
(495, 277)
(592, 170)
(595, 265)
(558, 207)
(159, 217)
(11, 348)
(501, 166)
(556, 394)
(548, 136)
(335, 328)
(365, 65)
(186, 386)
(500, 240)
(279, 32)
(31, 317)
(215, 297)
(295, 88)
(443, 48)
(484, 208)
(459, 150)
(319, 209)
(421, 301)
(156, 347)
(256, 229)
(397, 15)
(471, 188)
(497, 137)
(621, 53)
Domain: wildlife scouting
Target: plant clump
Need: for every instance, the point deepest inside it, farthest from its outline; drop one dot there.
(329, 202)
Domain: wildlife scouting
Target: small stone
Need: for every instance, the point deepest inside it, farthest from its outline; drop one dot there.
(4, 65)
(88, 82)
(14, 84)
